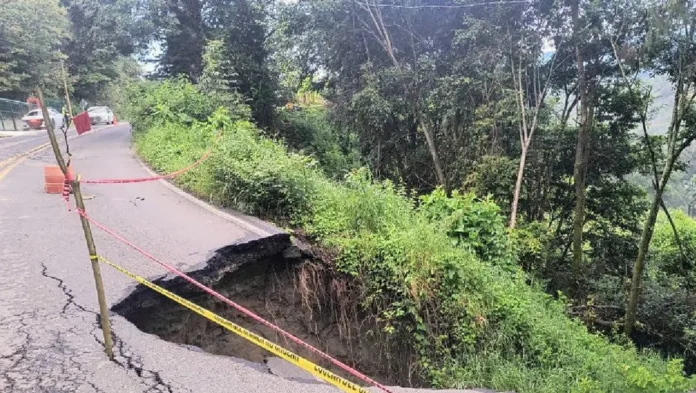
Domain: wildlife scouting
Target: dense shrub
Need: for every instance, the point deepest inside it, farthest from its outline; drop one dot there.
(532, 245)
(474, 224)
(248, 172)
(309, 131)
(467, 315)
(668, 310)
(672, 257)
(494, 176)
(176, 101)
(260, 176)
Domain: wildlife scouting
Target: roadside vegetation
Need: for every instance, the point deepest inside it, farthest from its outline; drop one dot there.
(306, 126)
(505, 190)
(438, 274)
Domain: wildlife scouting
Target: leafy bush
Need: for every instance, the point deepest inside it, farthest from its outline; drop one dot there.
(490, 328)
(176, 101)
(473, 224)
(669, 256)
(248, 172)
(467, 316)
(494, 176)
(667, 314)
(260, 176)
(531, 241)
(309, 131)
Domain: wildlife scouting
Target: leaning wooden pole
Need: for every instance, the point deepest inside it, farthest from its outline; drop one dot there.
(67, 93)
(51, 136)
(101, 297)
(96, 270)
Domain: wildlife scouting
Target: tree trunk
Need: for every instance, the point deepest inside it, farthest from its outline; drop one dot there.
(382, 35)
(580, 177)
(646, 237)
(581, 153)
(639, 266)
(673, 153)
(518, 187)
(433, 152)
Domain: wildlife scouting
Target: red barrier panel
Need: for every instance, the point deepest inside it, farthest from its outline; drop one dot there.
(82, 123)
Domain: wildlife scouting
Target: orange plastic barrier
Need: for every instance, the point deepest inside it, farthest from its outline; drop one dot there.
(54, 179)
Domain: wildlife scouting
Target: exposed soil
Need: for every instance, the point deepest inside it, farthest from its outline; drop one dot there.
(280, 282)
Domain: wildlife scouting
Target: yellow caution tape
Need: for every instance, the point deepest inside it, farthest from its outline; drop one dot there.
(275, 349)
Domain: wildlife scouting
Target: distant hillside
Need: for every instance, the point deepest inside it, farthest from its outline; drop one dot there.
(661, 109)
(681, 189)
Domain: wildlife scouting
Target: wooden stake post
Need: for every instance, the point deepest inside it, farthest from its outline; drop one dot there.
(103, 309)
(65, 127)
(65, 86)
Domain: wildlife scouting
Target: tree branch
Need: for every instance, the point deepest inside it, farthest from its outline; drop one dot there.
(415, 7)
(643, 117)
(540, 98)
(378, 22)
(674, 229)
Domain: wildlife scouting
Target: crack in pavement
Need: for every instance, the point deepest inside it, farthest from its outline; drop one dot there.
(150, 378)
(21, 352)
(64, 288)
(39, 364)
(134, 362)
(93, 386)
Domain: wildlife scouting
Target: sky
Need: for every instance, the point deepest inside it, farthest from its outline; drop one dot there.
(148, 62)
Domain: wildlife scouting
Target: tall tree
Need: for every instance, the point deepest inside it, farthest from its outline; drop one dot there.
(373, 23)
(183, 34)
(585, 93)
(219, 79)
(525, 67)
(187, 26)
(595, 75)
(102, 32)
(293, 46)
(418, 83)
(241, 26)
(672, 51)
(29, 47)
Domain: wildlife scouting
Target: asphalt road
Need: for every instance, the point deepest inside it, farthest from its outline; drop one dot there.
(12, 145)
(50, 340)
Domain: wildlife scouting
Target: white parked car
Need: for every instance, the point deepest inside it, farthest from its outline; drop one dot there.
(100, 114)
(34, 119)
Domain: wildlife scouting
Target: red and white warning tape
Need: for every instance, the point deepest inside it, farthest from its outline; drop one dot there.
(236, 306)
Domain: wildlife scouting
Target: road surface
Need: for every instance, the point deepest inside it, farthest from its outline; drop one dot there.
(50, 340)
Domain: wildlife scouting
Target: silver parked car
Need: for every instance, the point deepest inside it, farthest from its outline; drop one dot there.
(100, 114)
(34, 119)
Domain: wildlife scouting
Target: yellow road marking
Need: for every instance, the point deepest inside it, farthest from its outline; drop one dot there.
(8, 164)
(11, 166)
(3, 163)
(34, 149)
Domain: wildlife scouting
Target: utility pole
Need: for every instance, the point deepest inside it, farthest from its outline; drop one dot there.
(101, 297)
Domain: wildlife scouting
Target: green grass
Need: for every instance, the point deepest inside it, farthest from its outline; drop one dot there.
(469, 323)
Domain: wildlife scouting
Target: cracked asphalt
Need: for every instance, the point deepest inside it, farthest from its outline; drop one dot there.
(50, 337)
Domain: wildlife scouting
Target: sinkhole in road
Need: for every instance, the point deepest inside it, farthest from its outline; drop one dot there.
(284, 282)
